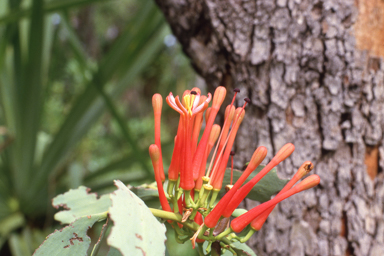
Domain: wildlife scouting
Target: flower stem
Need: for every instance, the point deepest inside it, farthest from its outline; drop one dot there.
(173, 216)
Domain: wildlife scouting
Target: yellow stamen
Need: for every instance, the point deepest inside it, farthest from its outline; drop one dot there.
(189, 99)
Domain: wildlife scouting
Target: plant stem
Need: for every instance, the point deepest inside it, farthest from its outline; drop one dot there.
(173, 216)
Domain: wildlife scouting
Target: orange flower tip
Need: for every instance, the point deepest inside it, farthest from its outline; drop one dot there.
(215, 132)
(154, 152)
(236, 90)
(219, 97)
(258, 156)
(207, 187)
(284, 152)
(304, 169)
(308, 182)
(229, 112)
(240, 111)
(232, 153)
(157, 102)
(247, 100)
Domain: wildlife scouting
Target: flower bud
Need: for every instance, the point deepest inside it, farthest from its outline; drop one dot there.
(219, 97)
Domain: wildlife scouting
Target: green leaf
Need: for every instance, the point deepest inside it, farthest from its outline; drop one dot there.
(241, 250)
(136, 231)
(71, 240)
(269, 185)
(176, 249)
(113, 252)
(145, 191)
(79, 203)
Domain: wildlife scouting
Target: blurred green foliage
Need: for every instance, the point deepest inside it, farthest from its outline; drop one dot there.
(76, 81)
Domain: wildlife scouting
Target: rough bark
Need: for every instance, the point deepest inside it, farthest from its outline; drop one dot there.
(303, 66)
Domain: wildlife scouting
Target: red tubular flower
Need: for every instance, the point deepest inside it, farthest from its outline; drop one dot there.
(282, 154)
(188, 111)
(199, 220)
(157, 103)
(239, 223)
(218, 99)
(304, 169)
(197, 127)
(214, 216)
(228, 117)
(219, 170)
(211, 142)
(232, 154)
(154, 153)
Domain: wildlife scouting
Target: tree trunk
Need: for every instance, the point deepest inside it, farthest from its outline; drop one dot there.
(315, 77)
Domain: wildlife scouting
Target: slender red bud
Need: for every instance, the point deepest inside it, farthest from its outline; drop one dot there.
(282, 154)
(228, 117)
(232, 154)
(157, 103)
(239, 223)
(218, 173)
(186, 174)
(217, 100)
(214, 216)
(197, 126)
(304, 169)
(154, 153)
(211, 142)
(174, 167)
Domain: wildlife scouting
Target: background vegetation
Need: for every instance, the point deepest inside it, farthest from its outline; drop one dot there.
(76, 81)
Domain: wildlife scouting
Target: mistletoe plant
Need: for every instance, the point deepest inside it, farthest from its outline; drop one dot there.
(191, 206)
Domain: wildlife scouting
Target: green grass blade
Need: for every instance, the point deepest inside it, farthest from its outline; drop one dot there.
(89, 106)
(138, 153)
(30, 103)
(52, 6)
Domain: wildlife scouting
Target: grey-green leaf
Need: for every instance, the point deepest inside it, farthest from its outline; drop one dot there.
(79, 203)
(71, 240)
(269, 185)
(135, 230)
(242, 250)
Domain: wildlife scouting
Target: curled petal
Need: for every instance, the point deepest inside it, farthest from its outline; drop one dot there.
(203, 106)
(172, 103)
(196, 101)
(181, 107)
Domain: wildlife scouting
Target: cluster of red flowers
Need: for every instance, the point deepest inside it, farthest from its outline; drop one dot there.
(191, 182)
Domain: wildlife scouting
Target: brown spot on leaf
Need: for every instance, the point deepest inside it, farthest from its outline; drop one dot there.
(369, 28)
(137, 247)
(80, 239)
(89, 216)
(139, 237)
(372, 161)
(66, 246)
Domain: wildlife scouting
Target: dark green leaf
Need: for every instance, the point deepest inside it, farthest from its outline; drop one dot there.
(269, 185)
